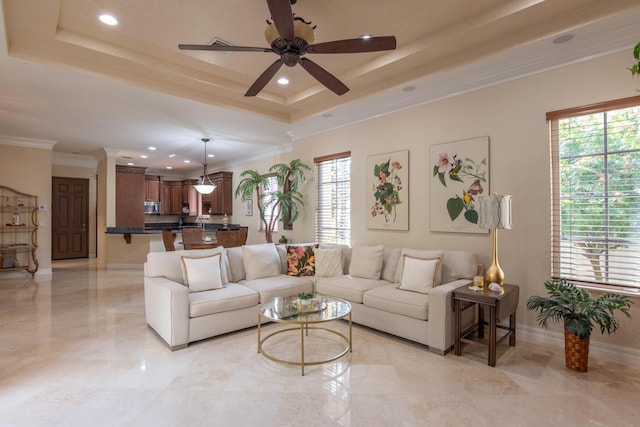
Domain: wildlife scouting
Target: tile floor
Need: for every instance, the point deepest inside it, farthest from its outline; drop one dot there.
(75, 351)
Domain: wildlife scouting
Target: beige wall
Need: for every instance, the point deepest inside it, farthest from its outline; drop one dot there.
(28, 170)
(90, 174)
(512, 115)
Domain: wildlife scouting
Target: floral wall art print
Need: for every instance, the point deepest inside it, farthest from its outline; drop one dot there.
(459, 176)
(388, 191)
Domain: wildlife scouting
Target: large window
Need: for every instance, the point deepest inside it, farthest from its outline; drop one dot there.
(596, 193)
(333, 204)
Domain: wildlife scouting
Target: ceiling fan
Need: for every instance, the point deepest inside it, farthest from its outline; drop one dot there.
(291, 38)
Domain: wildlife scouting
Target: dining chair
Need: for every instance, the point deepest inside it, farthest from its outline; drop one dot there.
(168, 237)
(191, 236)
(232, 238)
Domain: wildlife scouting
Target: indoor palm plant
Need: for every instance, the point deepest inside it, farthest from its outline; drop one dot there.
(579, 312)
(280, 204)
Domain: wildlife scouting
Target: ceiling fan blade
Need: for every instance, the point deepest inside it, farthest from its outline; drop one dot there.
(223, 48)
(324, 77)
(264, 78)
(373, 44)
(282, 16)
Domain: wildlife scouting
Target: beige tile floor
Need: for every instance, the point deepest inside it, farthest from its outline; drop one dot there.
(75, 351)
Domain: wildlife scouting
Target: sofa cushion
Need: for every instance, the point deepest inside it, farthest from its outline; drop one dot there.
(366, 261)
(419, 275)
(236, 264)
(231, 297)
(420, 253)
(346, 254)
(458, 265)
(202, 273)
(279, 286)
(393, 300)
(168, 264)
(300, 260)
(390, 259)
(328, 262)
(347, 287)
(261, 261)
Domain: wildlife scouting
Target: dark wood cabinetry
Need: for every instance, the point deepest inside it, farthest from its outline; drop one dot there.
(219, 202)
(152, 188)
(130, 193)
(189, 197)
(171, 198)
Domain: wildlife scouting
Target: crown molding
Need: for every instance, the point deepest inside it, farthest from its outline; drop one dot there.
(42, 144)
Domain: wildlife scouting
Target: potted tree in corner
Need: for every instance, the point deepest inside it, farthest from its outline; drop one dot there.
(580, 313)
(280, 204)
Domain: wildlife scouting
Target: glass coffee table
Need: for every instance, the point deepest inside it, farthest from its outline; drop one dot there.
(323, 309)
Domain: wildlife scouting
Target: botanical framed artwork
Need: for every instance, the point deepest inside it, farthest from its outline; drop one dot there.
(459, 176)
(248, 207)
(388, 191)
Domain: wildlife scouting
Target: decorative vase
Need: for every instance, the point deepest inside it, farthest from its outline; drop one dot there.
(576, 351)
(225, 221)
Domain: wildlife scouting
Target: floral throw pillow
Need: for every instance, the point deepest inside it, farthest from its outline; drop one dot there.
(300, 261)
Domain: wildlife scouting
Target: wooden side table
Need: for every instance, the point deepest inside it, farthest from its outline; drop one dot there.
(500, 304)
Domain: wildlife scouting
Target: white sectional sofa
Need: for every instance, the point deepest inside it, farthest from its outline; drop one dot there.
(374, 279)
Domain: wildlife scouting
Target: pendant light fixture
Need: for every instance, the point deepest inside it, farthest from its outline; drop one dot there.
(205, 186)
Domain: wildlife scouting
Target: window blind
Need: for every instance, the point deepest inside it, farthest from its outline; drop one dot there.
(333, 204)
(595, 178)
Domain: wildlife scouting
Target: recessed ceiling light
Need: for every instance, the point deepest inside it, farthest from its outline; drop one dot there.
(168, 167)
(108, 19)
(129, 164)
(172, 155)
(144, 156)
(563, 38)
(366, 36)
(283, 81)
(187, 161)
(152, 148)
(211, 155)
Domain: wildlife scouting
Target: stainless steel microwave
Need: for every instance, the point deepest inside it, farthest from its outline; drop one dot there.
(152, 208)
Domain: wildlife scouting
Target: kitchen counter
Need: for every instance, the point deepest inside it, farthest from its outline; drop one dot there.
(156, 229)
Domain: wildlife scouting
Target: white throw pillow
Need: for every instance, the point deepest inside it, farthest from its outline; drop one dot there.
(202, 273)
(328, 262)
(424, 254)
(418, 275)
(261, 261)
(366, 261)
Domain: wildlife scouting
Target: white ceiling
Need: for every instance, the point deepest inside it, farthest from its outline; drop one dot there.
(66, 78)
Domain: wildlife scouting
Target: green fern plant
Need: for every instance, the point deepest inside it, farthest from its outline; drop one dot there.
(577, 309)
(635, 68)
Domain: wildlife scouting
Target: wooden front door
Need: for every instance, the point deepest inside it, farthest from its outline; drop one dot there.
(70, 217)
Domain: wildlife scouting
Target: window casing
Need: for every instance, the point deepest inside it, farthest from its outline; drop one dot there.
(333, 203)
(596, 193)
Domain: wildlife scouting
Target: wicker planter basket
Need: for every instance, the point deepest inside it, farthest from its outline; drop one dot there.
(576, 352)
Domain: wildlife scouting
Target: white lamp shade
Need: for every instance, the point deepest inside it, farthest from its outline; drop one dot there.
(495, 212)
(204, 188)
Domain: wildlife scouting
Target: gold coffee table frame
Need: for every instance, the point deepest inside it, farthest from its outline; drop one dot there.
(287, 310)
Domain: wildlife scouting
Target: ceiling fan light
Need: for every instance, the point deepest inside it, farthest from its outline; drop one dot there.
(301, 30)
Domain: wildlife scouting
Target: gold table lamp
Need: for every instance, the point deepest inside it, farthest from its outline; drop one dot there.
(495, 213)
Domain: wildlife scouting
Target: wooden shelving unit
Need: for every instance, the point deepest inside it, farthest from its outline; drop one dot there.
(18, 231)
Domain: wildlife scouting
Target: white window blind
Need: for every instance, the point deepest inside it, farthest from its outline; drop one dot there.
(268, 200)
(333, 204)
(596, 193)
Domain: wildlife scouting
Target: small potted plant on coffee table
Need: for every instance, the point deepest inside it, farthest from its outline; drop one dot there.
(579, 312)
(305, 300)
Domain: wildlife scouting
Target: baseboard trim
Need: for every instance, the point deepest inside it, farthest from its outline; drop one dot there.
(610, 352)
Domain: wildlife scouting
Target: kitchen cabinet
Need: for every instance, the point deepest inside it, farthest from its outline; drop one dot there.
(130, 196)
(152, 188)
(171, 198)
(219, 202)
(18, 231)
(189, 197)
